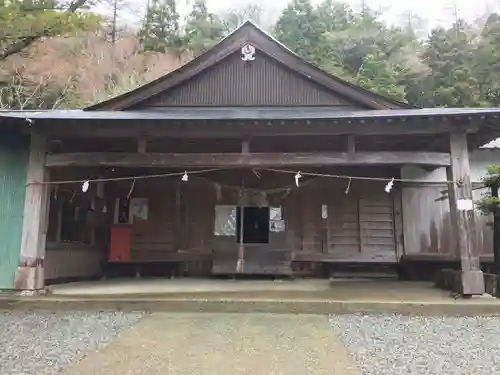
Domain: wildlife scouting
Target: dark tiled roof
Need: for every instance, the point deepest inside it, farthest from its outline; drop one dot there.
(251, 113)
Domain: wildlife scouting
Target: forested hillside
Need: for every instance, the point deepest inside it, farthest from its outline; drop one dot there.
(68, 55)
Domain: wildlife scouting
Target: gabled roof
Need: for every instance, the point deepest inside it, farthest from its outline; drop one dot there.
(483, 122)
(259, 113)
(248, 32)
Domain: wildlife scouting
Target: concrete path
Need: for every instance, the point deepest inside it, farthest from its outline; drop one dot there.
(220, 344)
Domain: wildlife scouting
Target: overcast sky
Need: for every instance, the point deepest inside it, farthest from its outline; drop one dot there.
(432, 12)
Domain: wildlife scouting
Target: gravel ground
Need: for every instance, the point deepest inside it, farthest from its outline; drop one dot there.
(396, 345)
(46, 343)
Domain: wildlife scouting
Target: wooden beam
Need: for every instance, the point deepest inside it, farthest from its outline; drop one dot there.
(439, 139)
(35, 219)
(118, 159)
(462, 215)
(237, 129)
(309, 256)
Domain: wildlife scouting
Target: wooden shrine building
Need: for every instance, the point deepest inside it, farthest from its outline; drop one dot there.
(246, 160)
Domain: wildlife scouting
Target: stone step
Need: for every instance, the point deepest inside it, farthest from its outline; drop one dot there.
(207, 304)
(364, 275)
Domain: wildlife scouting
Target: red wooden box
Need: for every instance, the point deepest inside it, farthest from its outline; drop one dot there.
(121, 243)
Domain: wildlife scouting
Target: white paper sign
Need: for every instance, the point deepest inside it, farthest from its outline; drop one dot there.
(324, 211)
(277, 225)
(138, 209)
(465, 205)
(225, 220)
(275, 213)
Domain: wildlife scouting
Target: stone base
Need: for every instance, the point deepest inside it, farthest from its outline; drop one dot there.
(467, 283)
(491, 284)
(29, 278)
(472, 283)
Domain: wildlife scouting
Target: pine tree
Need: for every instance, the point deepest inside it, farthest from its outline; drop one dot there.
(203, 29)
(300, 28)
(487, 61)
(160, 30)
(24, 22)
(378, 76)
(449, 55)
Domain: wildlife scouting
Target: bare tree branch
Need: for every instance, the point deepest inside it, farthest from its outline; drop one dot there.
(61, 97)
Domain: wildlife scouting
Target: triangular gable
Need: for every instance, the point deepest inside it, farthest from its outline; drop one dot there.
(276, 77)
(232, 82)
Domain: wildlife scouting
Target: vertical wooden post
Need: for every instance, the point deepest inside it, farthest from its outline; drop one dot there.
(30, 272)
(496, 241)
(351, 144)
(463, 216)
(398, 223)
(59, 207)
(245, 146)
(240, 263)
(186, 198)
(142, 144)
(300, 214)
(358, 221)
(324, 226)
(178, 218)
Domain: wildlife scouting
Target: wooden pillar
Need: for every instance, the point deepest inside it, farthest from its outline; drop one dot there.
(35, 219)
(351, 144)
(462, 216)
(398, 222)
(179, 243)
(245, 146)
(496, 241)
(142, 145)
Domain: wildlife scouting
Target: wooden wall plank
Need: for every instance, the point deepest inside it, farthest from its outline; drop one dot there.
(155, 238)
(293, 222)
(68, 260)
(377, 209)
(311, 220)
(361, 224)
(201, 205)
(13, 164)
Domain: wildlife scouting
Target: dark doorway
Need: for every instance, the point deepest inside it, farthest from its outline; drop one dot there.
(255, 224)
